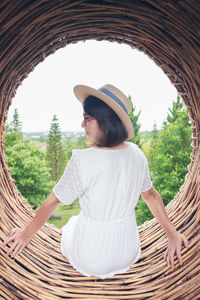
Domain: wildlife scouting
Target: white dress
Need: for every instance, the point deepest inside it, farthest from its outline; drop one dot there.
(103, 240)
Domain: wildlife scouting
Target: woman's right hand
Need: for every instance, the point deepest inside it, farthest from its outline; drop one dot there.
(20, 240)
(175, 242)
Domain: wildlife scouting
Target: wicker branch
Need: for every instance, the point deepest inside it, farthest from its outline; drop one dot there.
(169, 33)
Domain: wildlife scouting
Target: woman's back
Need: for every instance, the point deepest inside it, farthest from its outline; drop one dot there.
(103, 239)
(114, 179)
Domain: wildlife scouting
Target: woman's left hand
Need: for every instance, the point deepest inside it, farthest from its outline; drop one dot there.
(175, 242)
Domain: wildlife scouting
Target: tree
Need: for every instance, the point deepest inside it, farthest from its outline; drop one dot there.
(16, 123)
(170, 155)
(28, 168)
(27, 164)
(13, 130)
(56, 157)
(175, 112)
(134, 119)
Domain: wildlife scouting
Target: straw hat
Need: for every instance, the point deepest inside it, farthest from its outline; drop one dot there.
(113, 97)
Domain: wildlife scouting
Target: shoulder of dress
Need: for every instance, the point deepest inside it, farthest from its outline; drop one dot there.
(136, 149)
(81, 152)
(134, 146)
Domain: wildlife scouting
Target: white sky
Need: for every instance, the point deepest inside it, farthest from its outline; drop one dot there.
(48, 90)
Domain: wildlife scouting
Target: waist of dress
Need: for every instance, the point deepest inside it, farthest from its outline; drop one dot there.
(110, 222)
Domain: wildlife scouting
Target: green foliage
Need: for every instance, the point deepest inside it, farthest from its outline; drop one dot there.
(146, 137)
(134, 119)
(11, 136)
(170, 154)
(168, 157)
(56, 156)
(27, 164)
(28, 167)
(13, 131)
(175, 112)
(16, 125)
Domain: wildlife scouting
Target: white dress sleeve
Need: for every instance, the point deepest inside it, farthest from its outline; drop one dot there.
(147, 184)
(70, 185)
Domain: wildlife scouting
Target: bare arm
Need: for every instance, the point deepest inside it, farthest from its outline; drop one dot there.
(43, 214)
(21, 237)
(175, 239)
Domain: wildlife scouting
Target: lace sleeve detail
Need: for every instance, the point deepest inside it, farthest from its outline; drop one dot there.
(147, 184)
(70, 185)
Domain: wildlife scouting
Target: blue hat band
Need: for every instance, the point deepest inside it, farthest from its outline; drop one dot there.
(111, 95)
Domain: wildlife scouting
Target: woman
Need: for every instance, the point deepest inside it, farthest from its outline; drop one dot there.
(108, 178)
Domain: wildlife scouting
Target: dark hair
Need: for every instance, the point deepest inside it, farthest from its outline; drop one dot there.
(108, 121)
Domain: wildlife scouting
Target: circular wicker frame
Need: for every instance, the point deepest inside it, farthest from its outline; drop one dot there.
(169, 33)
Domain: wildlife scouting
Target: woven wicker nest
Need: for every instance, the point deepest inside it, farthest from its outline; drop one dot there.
(168, 32)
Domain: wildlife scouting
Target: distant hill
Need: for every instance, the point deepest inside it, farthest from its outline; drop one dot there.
(44, 134)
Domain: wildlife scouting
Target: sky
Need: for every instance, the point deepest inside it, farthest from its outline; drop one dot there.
(48, 89)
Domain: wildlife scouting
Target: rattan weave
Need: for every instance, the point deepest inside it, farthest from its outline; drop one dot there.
(168, 32)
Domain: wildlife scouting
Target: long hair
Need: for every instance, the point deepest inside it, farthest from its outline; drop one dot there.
(109, 123)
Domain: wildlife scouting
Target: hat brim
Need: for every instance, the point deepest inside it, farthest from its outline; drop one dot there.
(83, 91)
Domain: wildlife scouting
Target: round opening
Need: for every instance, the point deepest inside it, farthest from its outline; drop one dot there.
(92, 63)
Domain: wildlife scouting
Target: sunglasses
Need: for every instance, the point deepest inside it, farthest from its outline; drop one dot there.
(88, 118)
